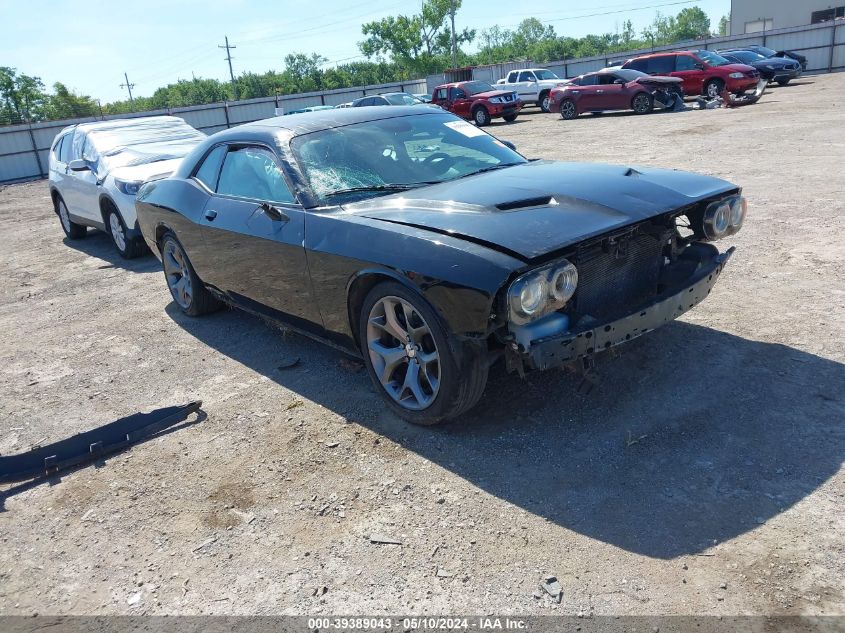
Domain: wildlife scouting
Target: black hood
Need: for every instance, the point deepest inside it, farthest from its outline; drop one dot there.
(775, 62)
(536, 208)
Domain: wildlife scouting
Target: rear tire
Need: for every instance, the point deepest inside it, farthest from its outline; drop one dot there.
(783, 82)
(545, 101)
(422, 371)
(73, 230)
(568, 109)
(116, 228)
(186, 288)
(481, 116)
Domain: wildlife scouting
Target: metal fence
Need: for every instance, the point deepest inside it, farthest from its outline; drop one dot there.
(822, 44)
(24, 149)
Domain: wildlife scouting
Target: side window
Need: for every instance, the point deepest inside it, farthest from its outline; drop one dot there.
(66, 154)
(526, 76)
(606, 79)
(440, 94)
(588, 80)
(57, 147)
(685, 62)
(209, 170)
(512, 77)
(638, 64)
(252, 172)
(661, 65)
(79, 139)
(455, 93)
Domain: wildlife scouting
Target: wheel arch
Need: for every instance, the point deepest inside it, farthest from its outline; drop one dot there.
(106, 205)
(359, 287)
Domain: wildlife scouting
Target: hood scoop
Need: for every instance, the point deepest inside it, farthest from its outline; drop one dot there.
(527, 203)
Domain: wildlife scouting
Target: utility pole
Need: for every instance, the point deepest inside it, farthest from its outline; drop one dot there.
(454, 40)
(128, 87)
(229, 59)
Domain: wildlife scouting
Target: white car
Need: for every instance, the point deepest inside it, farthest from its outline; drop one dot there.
(97, 168)
(532, 84)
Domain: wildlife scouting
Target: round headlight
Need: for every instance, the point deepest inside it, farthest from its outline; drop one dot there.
(739, 206)
(531, 296)
(563, 282)
(717, 220)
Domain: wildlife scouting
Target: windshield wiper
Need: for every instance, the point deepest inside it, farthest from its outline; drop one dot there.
(372, 188)
(490, 168)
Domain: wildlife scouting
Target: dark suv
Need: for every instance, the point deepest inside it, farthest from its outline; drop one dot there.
(703, 72)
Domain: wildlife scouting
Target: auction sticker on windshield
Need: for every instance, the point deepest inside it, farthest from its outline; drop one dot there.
(465, 128)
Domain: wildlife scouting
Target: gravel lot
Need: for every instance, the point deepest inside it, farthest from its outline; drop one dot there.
(701, 475)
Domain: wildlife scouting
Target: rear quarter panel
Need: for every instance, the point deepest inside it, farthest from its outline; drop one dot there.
(175, 205)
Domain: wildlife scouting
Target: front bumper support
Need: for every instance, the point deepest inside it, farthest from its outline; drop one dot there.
(563, 348)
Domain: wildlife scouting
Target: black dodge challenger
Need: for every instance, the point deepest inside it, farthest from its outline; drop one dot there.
(431, 249)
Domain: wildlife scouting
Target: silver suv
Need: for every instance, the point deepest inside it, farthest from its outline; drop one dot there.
(97, 168)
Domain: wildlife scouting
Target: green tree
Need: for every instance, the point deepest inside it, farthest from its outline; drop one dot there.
(691, 23)
(22, 97)
(66, 104)
(420, 42)
(724, 21)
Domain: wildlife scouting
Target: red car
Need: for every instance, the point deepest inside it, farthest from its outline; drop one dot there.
(477, 101)
(614, 89)
(703, 72)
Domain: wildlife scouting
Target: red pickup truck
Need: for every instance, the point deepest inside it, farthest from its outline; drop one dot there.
(477, 101)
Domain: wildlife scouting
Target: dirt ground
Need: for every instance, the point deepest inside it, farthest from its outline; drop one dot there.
(701, 475)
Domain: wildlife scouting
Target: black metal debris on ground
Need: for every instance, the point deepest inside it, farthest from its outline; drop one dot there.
(78, 450)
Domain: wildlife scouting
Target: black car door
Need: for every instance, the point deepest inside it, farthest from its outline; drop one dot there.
(253, 231)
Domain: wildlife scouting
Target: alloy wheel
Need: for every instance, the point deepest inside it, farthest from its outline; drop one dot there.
(178, 274)
(713, 90)
(403, 353)
(567, 109)
(547, 101)
(641, 103)
(116, 227)
(64, 217)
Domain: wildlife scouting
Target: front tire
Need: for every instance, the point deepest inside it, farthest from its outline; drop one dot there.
(714, 88)
(424, 373)
(783, 82)
(510, 118)
(642, 103)
(73, 230)
(568, 110)
(481, 116)
(116, 227)
(186, 288)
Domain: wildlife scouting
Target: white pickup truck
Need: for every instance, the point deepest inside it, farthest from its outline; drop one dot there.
(532, 84)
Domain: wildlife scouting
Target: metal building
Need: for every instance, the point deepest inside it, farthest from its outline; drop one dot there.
(754, 16)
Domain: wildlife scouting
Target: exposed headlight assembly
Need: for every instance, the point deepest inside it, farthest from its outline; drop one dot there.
(724, 217)
(541, 291)
(737, 75)
(497, 100)
(129, 187)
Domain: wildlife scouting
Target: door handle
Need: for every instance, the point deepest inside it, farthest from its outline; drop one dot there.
(210, 214)
(599, 91)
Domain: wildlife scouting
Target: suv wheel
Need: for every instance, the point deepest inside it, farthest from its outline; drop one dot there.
(73, 230)
(481, 116)
(424, 374)
(714, 88)
(187, 290)
(116, 227)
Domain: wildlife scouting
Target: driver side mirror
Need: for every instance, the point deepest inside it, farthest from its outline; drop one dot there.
(509, 145)
(78, 164)
(700, 67)
(619, 81)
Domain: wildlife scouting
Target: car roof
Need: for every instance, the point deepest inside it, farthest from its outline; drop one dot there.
(304, 122)
(117, 124)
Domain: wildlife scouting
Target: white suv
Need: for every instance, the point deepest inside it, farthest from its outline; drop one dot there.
(532, 84)
(97, 168)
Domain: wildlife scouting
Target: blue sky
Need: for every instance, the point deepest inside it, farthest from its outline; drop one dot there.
(88, 45)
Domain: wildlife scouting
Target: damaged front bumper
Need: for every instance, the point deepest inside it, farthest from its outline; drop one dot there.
(554, 351)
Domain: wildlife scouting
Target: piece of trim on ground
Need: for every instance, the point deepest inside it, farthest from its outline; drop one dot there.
(73, 452)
